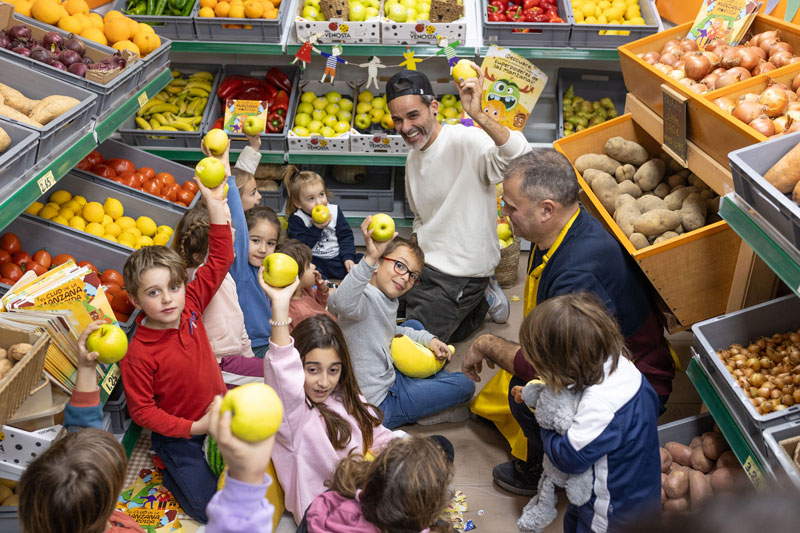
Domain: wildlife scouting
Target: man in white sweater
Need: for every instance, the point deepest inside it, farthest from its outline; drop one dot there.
(451, 172)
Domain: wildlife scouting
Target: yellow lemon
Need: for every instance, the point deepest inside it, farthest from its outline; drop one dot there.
(164, 229)
(604, 4)
(111, 15)
(53, 205)
(144, 241)
(93, 212)
(34, 208)
(106, 220)
(602, 19)
(236, 12)
(113, 229)
(71, 24)
(76, 6)
(61, 197)
(77, 223)
(588, 9)
(578, 15)
(96, 35)
(80, 199)
(205, 12)
(147, 42)
(637, 20)
(95, 229)
(126, 223)
(66, 212)
(96, 20)
(208, 3)
(59, 220)
(84, 20)
(135, 231)
(75, 206)
(127, 238)
(117, 30)
(47, 212)
(113, 208)
(161, 239)
(110, 238)
(590, 20)
(146, 225)
(48, 11)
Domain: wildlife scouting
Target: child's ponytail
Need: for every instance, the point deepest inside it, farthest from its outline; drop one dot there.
(191, 236)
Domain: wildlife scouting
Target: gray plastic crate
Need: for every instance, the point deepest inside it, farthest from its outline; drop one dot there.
(67, 128)
(117, 407)
(375, 193)
(270, 142)
(9, 520)
(274, 199)
(539, 34)
(111, 149)
(154, 62)
(748, 166)
(742, 327)
(172, 27)
(20, 155)
(261, 30)
(133, 136)
(588, 35)
(590, 85)
(108, 95)
(780, 460)
(685, 429)
(57, 239)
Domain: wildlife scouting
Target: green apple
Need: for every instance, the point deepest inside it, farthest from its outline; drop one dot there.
(459, 107)
(362, 121)
(333, 97)
(450, 112)
(314, 3)
(346, 104)
(502, 243)
(320, 102)
(365, 96)
(307, 96)
(373, 3)
(302, 119)
(376, 115)
(379, 102)
(305, 107)
(332, 108)
(318, 114)
(411, 15)
(300, 131)
(453, 120)
(110, 343)
(440, 117)
(210, 171)
(463, 70)
(344, 116)
(327, 131)
(320, 214)
(315, 125)
(363, 107)
(310, 13)
(216, 141)
(342, 126)
(503, 231)
(396, 13)
(253, 125)
(449, 100)
(256, 411)
(371, 12)
(357, 12)
(280, 269)
(330, 120)
(382, 226)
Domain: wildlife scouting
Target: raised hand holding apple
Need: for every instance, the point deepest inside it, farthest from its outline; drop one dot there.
(86, 378)
(375, 249)
(109, 342)
(470, 91)
(215, 199)
(280, 298)
(224, 156)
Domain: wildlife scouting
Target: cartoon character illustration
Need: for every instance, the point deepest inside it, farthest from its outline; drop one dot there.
(519, 120)
(495, 109)
(501, 100)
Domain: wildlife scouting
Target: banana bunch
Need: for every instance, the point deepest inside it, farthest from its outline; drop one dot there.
(179, 106)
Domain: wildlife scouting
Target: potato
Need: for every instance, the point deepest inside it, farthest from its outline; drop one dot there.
(11, 501)
(656, 222)
(676, 505)
(649, 202)
(700, 461)
(699, 488)
(667, 235)
(18, 351)
(5, 367)
(10, 112)
(680, 230)
(707, 194)
(649, 175)
(629, 187)
(638, 240)
(626, 213)
(714, 444)
(727, 459)
(676, 197)
(796, 193)
(5, 140)
(661, 190)
(693, 212)
(626, 151)
(677, 484)
(605, 187)
(666, 459)
(592, 173)
(725, 479)
(696, 442)
(681, 453)
(597, 162)
(625, 173)
(675, 180)
(674, 166)
(3, 354)
(52, 107)
(16, 100)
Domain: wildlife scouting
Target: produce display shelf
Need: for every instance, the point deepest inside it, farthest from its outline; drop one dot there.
(753, 462)
(45, 175)
(177, 154)
(771, 247)
(347, 158)
(394, 50)
(585, 54)
(217, 47)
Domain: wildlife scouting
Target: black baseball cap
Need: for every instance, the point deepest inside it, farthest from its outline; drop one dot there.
(408, 82)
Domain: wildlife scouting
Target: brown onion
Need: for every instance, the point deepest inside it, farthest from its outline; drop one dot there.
(758, 51)
(689, 45)
(729, 78)
(710, 80)
(781, 123)
(775, 48)
(712, 58)
(716, 43)
(672, 43)
(730, 58)
(750, 97)
(743, 71)
(666, 69)
(763, 125)
(774, 101)
(767, 43)
(796, 83)
(651, 57)
(677, 74)
(747, 112)
(669, 58)
(747, 58)
(794, 59)
(763, 68)
(757, 38)
(719, 71)
(697, 66)
(781, 58)
(727, 104)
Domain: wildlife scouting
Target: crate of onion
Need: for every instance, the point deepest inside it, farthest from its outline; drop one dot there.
(668, 58)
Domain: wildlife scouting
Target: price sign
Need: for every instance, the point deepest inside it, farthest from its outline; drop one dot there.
(46, 181)
(111, 379)
(143, 99)
(675, 108)
(754, 473)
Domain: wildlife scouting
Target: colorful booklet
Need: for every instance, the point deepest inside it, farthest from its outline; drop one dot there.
(237, 111)
(729, 20)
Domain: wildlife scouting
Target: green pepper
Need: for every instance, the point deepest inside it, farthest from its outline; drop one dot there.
(160, 5)
(151, 7)
(138, 9)
(187, 8)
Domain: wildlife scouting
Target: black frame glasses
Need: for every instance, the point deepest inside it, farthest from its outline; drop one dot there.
(402, 269)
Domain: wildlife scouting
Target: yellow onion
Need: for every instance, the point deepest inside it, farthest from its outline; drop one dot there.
(747, 58)
(726, 104)
(747, 111)
(763, 68)
(697, 66)
(774, 101)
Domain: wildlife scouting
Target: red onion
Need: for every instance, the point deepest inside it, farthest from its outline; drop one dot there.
(651, 57)
(20, 33)
(87, 60)
(747, 58)
(763, 68)
(780, 46)
(21, 50)
(79, 69)
(697, 66)
(669, 58)
(74, 44)
(747, 111)
(68, 57)
(689, 45)
(729, 58)
(59, 65)
(774, 101)
(40, 54)
(781, 58)
(725, 103)
(5, 41)
(763, 125)
(53, 41)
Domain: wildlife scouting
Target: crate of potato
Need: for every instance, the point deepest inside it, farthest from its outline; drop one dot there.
(22, 356)
(141, 174)
(241, 21)
(596, 25)
(57, 111)
(40, 245)
(176, 116)
(17, 150)
(173, 21)
(101, 213)
(751, 358)
(663, 215)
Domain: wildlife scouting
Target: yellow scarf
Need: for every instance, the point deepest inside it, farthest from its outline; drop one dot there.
(492, 401)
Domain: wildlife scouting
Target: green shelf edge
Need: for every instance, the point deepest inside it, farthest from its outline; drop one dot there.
(30, 190)
(772, 254)
(727, 425)
(174, 154)
(131, 438)
(348, 158)
(610, 54)
(215, 47)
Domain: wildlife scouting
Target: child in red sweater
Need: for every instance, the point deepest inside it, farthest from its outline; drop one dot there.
(311, 297)
(170, 373)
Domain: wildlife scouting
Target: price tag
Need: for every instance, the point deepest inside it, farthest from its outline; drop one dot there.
(46, 181)
(143, 99)
(754, 473)
(675, 109)
(111, 379)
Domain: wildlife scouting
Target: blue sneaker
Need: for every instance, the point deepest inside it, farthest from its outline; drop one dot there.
(499, 306)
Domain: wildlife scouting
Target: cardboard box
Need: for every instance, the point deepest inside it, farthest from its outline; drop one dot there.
(424, 31)
(18, 448)
(315, 142)
(338, 30)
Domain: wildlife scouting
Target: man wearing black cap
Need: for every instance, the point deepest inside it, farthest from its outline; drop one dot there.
(451, 172)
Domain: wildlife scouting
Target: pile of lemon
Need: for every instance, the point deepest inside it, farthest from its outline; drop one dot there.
(106, 220)
(239, 9)
(622, 12)
(73, 16)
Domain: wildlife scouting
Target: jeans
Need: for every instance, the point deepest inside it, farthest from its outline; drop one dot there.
(187, 476)
(413, 324)
(409, 399)
(530, 427)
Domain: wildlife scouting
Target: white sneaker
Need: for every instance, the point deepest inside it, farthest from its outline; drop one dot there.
(499, 306)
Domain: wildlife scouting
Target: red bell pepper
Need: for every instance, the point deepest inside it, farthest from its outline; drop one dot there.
(275, 123)
(217, 124)
(278, 79)
(281, 103)
(228, 87)
(270, 90)
(498, 5)
(514, 14)
(256, 92)
(530, 13)
(529, 4)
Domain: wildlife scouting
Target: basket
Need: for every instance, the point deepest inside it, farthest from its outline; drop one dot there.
(22, 378)
(508, 267)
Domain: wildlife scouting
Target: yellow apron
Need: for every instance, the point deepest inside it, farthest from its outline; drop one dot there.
(492, 401)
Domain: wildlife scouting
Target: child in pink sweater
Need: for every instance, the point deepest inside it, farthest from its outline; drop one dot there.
(311, 297)
(325, 417)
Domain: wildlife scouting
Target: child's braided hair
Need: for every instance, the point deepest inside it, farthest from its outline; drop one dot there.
(192, 236)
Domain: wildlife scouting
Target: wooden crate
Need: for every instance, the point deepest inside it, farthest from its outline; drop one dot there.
(22, 378)
(692, 273)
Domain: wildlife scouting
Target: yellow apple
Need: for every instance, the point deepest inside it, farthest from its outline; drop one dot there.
(280, 269)
(256, 411)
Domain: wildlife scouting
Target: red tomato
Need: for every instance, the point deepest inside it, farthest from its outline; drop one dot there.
(112, 276)
(85, 164)
(140, 178)
(129, 180)
(5, 257)
(94, 157)
(6, 281)
(148, 172)
(10, 243)
(10, 271)
(121, 303)
(112, 289)
(121, 165)
(181, 203)
(62, 258)
(170, 190)
(165, 177)
(21, 258)
(104, 170)
(91, 266)
(190, 185)
(37, 268)
(185, 196)
(151, 186)
(43, 258)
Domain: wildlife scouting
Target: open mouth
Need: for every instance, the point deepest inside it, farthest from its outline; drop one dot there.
(507, 101)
